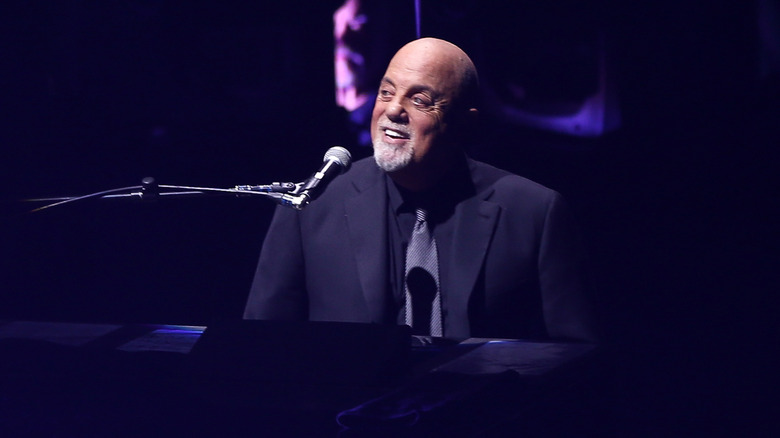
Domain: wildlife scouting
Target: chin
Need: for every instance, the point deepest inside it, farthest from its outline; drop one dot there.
(390, 158)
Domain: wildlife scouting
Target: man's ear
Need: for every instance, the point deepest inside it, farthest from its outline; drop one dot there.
(468, 126)
(470, 116)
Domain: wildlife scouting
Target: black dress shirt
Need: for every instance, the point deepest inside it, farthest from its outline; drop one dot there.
(440, 203)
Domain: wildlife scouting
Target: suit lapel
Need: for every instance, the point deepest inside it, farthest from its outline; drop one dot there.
(368, 210)
(474, 228)
(475, 222)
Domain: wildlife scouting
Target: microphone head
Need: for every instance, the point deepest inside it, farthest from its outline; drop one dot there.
(340, 156)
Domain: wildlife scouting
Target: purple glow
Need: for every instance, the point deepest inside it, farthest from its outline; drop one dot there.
(417, 17)
(348, 63)
(167, 338)
(595, 116)
(181, 329)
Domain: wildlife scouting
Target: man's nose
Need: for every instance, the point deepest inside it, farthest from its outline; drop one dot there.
(396, 111)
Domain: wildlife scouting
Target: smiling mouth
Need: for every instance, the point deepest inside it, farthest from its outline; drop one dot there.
(395, 135)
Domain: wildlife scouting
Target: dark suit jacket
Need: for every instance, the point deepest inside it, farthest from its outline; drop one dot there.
(516, 267)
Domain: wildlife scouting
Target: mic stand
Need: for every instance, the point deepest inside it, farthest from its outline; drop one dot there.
(284, 193)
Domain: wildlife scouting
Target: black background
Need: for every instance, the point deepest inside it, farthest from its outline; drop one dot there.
(677, 207)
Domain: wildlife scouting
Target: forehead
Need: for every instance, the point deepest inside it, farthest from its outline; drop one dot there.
(429, 69)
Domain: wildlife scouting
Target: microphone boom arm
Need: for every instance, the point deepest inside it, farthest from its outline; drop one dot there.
(336, 161)
(151, 190)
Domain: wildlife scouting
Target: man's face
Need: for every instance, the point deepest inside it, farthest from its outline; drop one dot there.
(409, 118)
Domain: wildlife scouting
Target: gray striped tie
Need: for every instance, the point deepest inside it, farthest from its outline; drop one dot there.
(423, 292)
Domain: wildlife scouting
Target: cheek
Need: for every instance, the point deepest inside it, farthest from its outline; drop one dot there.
(428, 127)
(428, 135)
(378, 110)
(430, 121)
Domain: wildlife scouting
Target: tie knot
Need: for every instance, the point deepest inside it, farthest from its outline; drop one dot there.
(421, 214)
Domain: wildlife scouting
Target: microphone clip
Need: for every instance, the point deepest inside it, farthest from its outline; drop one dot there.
(296, 201)
(276, 187)
(286, 193)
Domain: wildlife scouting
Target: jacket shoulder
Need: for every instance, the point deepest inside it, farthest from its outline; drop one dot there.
(505, 187)
(361, 172)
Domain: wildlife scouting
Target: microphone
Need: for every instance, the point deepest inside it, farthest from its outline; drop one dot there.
(335, 162)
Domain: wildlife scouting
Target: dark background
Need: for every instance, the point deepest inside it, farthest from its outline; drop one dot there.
(677, 207)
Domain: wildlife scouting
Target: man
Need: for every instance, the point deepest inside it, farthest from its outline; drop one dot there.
(505, 262)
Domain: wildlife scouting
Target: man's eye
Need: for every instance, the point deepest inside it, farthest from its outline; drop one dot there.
(385, 94)
(421, 101)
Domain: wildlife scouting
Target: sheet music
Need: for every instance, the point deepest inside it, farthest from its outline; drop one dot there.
(175, 339)
(525, 358)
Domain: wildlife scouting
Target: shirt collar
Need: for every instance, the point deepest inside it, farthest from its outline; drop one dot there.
(437, 200)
